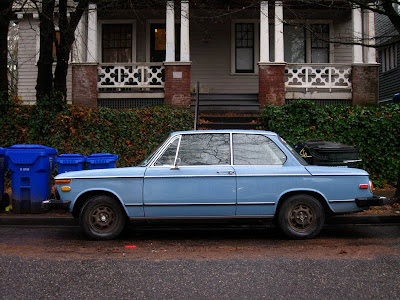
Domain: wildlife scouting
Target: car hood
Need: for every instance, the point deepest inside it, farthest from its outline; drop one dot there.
(321, 170)
(104, 173)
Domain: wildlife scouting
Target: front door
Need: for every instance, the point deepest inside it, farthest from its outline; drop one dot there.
(193, 178)
(158, 42)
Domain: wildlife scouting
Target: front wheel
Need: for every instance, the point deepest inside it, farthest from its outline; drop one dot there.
(301, 217)
(102, 218)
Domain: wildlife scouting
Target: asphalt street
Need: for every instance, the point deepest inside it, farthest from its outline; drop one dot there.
(57, 262)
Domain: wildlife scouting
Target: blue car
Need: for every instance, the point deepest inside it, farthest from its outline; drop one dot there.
(219, 174)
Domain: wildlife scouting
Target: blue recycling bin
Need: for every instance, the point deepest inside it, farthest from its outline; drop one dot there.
(70, 162)
(101, 161)
(3, 168)
(31, 167)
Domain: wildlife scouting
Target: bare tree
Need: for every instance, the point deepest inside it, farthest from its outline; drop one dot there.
(5, 17)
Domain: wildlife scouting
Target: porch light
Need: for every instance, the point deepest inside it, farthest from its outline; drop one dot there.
(156, 30)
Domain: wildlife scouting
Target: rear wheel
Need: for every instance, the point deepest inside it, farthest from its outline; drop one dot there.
(301, 217)
(102, 218)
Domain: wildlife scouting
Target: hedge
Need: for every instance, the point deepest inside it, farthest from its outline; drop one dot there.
(132, 134)
(374, 131)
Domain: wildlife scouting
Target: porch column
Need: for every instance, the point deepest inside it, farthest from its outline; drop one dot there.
(92, 34)
(170, 32)
(264, 32)
(271, 75)
(357, 36)
(279, 50)
(185, 44)
(364, 76)
(371, 37)
(84, 74)
(177, 73)
(79, 53)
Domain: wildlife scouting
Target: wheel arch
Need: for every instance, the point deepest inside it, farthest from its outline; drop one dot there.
(85, 196)
(317, 195)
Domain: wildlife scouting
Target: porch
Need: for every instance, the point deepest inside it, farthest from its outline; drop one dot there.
(264, 50)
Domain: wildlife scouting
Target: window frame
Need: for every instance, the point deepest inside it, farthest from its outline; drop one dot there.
(389, 58)
(256, 46)
(116, 22)
(308, 23)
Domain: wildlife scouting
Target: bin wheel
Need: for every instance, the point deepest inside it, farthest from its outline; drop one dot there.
(102, 218)
(301, 217)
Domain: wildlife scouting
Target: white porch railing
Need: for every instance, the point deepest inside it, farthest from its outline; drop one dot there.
(315, 76)
(130, 75)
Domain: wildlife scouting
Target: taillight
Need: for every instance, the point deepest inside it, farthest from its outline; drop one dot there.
(371, 186)
(364, 186)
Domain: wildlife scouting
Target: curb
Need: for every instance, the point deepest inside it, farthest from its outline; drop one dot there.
(364, 219)
(68, 220)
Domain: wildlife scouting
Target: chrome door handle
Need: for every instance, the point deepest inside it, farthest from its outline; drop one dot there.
(226, 172)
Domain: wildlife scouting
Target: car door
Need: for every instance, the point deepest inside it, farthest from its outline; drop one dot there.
(261, 174)
(192, 178)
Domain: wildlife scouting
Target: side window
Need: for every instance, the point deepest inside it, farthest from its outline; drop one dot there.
(254, 149)
(204, 149)
(168, 157)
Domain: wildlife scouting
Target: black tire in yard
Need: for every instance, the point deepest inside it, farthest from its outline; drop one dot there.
(102, 218)
(301, 217)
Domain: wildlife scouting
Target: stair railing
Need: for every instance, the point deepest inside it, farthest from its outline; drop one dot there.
(196, 108)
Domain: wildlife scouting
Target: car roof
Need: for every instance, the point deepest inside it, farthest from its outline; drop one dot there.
(225, 131)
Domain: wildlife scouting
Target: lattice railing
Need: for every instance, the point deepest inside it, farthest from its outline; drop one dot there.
(314, 76)
(138, 75)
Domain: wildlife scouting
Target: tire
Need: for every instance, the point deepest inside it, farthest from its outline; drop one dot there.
(102, 218)
(301, 217)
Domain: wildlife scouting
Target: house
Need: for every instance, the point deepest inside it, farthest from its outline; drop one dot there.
(388, 58)
(273, 51)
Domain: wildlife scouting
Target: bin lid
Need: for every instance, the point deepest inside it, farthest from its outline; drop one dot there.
(326, 146)
(71, 158)
(25, 154)
(103, 157)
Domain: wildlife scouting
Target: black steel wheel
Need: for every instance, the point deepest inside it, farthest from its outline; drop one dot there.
(301, 217)
(102, 218)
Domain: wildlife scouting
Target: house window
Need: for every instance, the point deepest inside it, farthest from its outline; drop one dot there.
(389, 58)
(244, 47)
(295, 43)
(320, 43)
(116, 43)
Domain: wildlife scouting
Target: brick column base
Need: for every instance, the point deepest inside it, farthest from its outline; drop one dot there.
(271, 88)
(365, 84)
(84, 85)
(177, 84)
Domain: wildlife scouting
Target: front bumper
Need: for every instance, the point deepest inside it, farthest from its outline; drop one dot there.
(371, 201)
(55, 204)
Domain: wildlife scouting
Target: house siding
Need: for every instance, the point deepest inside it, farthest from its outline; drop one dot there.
(389, 81)
(27, 67)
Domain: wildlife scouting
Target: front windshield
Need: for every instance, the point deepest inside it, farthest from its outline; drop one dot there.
(298, 156)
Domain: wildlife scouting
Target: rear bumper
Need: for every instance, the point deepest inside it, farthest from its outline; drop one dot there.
(371, 201)
(56, 204)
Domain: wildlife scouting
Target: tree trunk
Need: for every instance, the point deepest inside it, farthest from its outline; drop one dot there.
(44, 83)
(67, 37)
(5, 17)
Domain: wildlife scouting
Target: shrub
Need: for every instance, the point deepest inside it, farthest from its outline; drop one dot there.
(374, 131)
(132, 134)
